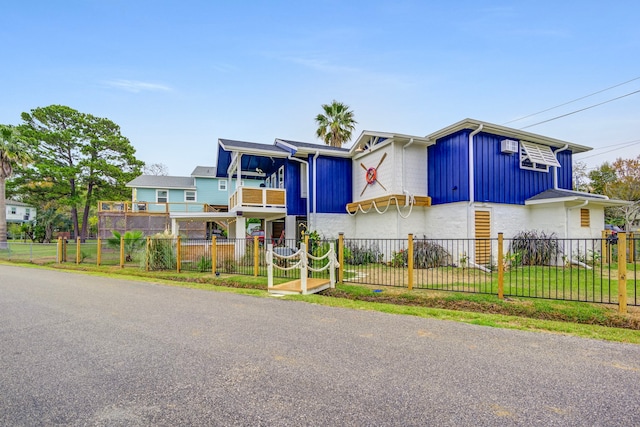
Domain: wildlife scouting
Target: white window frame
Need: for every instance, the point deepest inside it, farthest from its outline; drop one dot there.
(537, 157)
(222, 185)
(13, 210)
(195, 195)
(158, 196)
(281, 177)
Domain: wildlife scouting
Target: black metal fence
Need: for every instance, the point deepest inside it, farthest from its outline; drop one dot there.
(588, 270)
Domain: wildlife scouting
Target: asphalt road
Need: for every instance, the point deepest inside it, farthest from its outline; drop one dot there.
(84, 350)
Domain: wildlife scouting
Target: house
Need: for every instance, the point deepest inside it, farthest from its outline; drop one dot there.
(157, 201)
(18, 212)
(472, 179)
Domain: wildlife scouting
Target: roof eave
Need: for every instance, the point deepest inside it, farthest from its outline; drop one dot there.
(508, 132)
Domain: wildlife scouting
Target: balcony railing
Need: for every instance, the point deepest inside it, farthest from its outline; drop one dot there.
(153, 207)
(245, 197)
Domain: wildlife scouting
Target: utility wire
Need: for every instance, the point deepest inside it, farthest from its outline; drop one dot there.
(572, 101)
(582, 109)
(608, 151)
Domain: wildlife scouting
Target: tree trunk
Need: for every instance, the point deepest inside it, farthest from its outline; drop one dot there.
(85, 214)
(3, 215)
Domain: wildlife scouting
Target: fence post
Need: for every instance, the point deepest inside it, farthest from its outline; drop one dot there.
(500, 266)
(122, 251)
(214, 254)
(304, 268)
(78, 251)
(59, 246)
(256, 255)
(341, 257)
(332, 267)
(269, 260)
(622, 273)
(178, 254)
(64, 250)
(632, 247)
(99, 252)
(147, 253)
(410, 261)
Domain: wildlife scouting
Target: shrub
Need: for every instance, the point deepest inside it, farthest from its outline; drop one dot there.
(426, 254)
(534, 248)
(161, 252)
(133, 242)
(359, 255)
(204, 264)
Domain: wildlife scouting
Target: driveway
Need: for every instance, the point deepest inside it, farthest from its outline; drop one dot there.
(85, 350)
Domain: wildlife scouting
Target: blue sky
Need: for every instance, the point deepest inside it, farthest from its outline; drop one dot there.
(178, 75)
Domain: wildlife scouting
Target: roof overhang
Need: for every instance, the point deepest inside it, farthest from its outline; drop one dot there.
(305, 149)
(577, 200)
(369, 139)
(508, 132)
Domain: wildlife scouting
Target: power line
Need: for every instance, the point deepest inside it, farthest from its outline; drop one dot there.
(572, 101)
(605, 152)
(582, 109)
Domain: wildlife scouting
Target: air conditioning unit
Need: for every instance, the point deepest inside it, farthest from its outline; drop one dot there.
(508, 146)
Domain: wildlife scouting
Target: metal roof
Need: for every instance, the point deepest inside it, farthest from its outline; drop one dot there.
(554, 195)
(507, 132)
(307, 147)
(162, 181)
(252, 148)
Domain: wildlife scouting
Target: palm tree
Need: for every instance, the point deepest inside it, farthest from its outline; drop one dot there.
(336, 124)
(11, 154)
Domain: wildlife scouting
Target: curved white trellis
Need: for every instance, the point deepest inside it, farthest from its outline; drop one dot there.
(302, 263)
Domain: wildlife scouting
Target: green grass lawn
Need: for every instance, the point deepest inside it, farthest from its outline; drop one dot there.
(596, 321)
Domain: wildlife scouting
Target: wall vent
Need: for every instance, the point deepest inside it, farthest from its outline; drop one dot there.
(508, 146)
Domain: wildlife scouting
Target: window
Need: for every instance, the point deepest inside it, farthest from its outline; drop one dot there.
(585, 220)
(189, 196)
(303, 180)
(162, 196)
(13, 210)
(281, 177)
(222, 185)
(536, 157)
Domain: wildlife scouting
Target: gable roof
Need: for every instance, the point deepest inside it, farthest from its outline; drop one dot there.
(204, 172)
(163, 181)
(507, 132)
(368, 139)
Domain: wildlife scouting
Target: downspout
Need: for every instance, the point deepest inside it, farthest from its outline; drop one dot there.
(308, 192)
(404, 190)
(315, 196)
(470, 225)
(555, 168)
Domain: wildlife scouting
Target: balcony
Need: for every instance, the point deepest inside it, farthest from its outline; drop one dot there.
(153, 207)
(263, 200)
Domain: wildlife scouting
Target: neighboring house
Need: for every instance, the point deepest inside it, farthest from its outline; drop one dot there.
(158, 202)
(18, 212)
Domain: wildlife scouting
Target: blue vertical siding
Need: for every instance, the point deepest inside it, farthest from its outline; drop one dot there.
(333, 184)
(448, 169)
(296, 205)
(498, 177)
